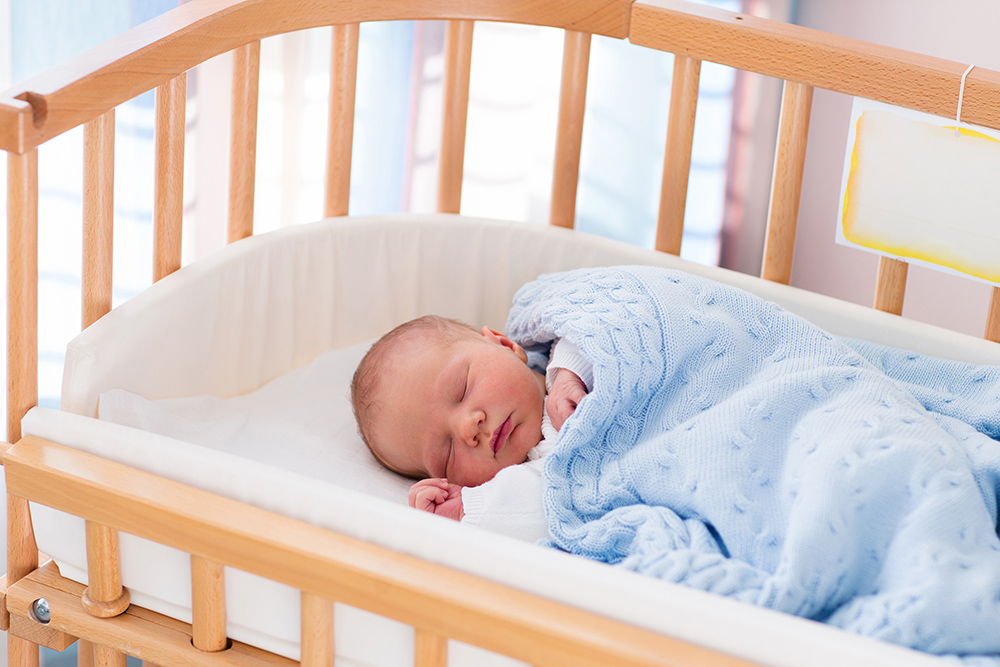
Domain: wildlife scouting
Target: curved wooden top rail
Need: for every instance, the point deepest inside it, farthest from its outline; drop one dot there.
(817, 58)
(160, 49)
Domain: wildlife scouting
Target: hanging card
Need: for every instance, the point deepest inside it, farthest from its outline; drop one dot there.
(917, 189)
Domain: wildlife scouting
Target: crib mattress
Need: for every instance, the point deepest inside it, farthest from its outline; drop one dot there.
(274, 305)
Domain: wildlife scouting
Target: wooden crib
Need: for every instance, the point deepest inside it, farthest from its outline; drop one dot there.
(326, 567)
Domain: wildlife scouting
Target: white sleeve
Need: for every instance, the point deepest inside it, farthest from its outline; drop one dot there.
(567, 355)
(510, 503)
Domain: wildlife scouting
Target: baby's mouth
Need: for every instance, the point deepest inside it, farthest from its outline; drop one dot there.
(500, 436)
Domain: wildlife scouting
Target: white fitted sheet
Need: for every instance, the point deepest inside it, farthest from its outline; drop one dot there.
(263, 307)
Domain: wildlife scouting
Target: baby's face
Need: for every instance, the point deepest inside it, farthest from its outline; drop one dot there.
(462, 410)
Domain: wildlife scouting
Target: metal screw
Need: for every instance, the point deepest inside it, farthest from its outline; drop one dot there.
(41, 611)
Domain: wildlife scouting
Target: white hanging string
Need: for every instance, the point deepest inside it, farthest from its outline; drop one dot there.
(961, 94)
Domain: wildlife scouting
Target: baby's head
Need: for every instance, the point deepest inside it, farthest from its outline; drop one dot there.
(436, 398)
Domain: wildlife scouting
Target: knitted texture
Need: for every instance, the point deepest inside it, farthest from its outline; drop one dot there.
(731, 446)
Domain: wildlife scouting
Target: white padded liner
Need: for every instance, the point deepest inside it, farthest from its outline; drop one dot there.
(229, 323)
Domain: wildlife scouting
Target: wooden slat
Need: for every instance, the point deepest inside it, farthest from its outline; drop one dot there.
(98, 216)
(677, 156)
(168, 208)
(321, 562)
(816, 58)
(22, 289)
(208, 605)
(993, 317)
(429, 650)
(317, 631)
(455, 111)
(243, 140)
(152, 637)
(786, 184)
(890, 285)
(569, 131)
(340, 137)
(162, 48)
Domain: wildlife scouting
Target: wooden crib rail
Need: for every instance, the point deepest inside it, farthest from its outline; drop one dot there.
(164, 47)
(817, 58)
(434, 599)
(805, 59)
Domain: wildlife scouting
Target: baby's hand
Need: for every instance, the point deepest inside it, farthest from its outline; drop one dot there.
(566, 393)
(437, 496)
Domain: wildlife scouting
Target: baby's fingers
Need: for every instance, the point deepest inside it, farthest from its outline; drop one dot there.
(429, 498)
(418, 491)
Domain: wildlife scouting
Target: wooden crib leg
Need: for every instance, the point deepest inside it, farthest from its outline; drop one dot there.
(22, 363)
(105, 656)
(22, 559)
(21, 652)
(84, 653)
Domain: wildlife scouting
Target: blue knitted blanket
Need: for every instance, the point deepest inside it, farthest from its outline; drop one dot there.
(731, 446)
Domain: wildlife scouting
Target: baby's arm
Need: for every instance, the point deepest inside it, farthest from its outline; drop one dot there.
(437, 496)
(565, 394)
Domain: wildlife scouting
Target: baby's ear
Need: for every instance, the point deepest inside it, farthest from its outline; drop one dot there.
(495, 336)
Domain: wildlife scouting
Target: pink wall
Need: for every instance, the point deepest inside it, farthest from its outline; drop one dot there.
(961, 30)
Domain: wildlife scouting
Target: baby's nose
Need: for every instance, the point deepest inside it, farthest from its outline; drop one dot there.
(471, 429)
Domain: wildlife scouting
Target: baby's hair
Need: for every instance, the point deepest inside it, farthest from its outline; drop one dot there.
(366, 384)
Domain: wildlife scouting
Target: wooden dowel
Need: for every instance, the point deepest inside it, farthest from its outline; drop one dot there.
(429, 650)
(317, 631)
(455, 112)
(890, 285)
(569, 131)
(340, 137)
(98, 216)
(208, 605)
(786, 185)
(168, 209)
(22, 289)
(243, 140)
(993, 317)
(104, 596)
(677, 156)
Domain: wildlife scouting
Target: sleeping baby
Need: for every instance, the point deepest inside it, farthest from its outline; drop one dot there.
(710, 438)
(439, 401)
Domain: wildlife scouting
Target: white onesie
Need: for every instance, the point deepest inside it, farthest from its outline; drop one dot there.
(511, 502)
